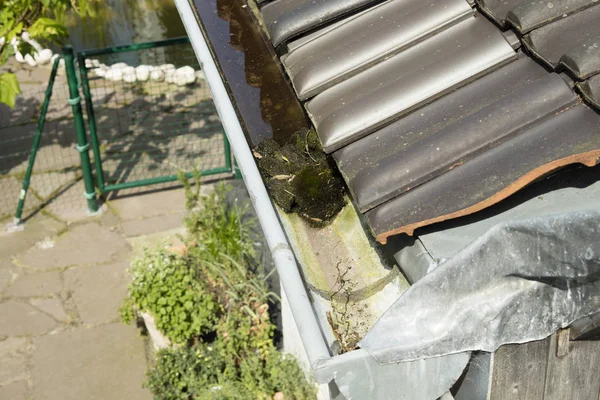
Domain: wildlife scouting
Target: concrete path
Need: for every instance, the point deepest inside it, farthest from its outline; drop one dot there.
(61, 285)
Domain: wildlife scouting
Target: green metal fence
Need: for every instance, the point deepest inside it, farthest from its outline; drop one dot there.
(146, 118)
(54, 181)
(150, 115)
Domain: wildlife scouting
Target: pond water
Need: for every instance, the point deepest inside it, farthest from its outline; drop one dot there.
(122, 22)
(264, 99)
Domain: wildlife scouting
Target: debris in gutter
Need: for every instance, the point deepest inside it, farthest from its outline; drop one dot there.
(300, 177)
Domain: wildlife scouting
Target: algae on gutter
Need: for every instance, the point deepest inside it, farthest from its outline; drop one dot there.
(351, 287)
(342, 244)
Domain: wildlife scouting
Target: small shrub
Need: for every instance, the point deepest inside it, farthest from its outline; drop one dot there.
(213, 301)
(167, 285)
(188, 373)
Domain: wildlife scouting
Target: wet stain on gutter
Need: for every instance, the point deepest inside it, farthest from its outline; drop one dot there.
(264, 99)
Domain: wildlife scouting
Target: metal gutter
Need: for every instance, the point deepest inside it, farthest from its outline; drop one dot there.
(355, 374)
(283, 257)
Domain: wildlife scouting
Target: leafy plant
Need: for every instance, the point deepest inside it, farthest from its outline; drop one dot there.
(43, 19)
(212, 301)
(206, 373)
(167, 285)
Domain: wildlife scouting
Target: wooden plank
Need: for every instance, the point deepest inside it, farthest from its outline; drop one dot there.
(576, 376)
(519, 371)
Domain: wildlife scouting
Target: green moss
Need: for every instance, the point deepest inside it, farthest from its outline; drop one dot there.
(300, 178)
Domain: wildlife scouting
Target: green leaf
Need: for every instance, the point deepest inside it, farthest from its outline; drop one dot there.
(48, 29)
(9, 89)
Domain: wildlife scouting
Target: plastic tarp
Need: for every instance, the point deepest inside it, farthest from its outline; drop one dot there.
(519, 282)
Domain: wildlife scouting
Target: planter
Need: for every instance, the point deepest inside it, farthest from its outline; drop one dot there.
(159, 341)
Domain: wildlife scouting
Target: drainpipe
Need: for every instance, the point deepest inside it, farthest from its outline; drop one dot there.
(283, 257)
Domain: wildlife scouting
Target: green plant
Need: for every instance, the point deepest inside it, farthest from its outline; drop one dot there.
(167, 285)
(189, 373)
(43, 20)
(219, 230)
(210, 298)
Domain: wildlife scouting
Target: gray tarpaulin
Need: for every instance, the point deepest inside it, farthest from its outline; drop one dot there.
(519, 282)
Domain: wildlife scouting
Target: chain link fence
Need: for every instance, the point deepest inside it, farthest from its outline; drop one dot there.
(149, 115)
(152, 115)
(55, 182)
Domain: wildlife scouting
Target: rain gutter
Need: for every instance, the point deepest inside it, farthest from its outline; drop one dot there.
(283, 257)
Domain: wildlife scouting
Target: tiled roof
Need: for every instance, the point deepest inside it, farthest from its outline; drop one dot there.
(590, 90)
(557, 41)
(288, 18)
(427, 108)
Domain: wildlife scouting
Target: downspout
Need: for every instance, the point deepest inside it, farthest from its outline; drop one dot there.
(283, 257)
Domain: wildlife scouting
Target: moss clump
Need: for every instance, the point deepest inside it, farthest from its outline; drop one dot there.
(300, 178)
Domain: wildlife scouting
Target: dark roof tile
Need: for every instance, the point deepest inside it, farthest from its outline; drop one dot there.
(590, 90)
(451, 131)
(382, 31)
(570, 137)
(529, 15)
(583, 60)
(497, 9)
(375, 97)
(550, 42)
(287, 18)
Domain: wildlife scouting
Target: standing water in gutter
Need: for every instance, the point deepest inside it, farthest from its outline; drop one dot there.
(297, 173)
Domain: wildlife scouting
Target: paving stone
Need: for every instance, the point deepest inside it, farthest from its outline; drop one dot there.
(22, 319)
(166, 239)
(13, 353)
(152, 225)
(70, 205)
(82, 245)
(36, 284)
(6, 267)
(14, 391)
(104, 362)
(50, 182)
(98, 291)
(52, 307)
(108, 218)
(11, 187)
(150, 205)
(34, 230)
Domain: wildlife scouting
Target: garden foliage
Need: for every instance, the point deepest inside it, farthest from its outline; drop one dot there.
(212, 301)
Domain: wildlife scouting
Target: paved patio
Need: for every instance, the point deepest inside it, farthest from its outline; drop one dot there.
(61, 284)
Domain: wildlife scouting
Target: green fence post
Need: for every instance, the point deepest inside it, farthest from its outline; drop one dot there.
(89, 107)
(238, 173)
(36, 142)
(227, 151)
(82, 143)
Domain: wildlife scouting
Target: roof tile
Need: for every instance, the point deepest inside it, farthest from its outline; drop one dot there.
(571, 137)
(375, 97)
(528, 15)
(287, 18)
(549, 43)
(590, 90)
(451, 131)
(382, 31)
